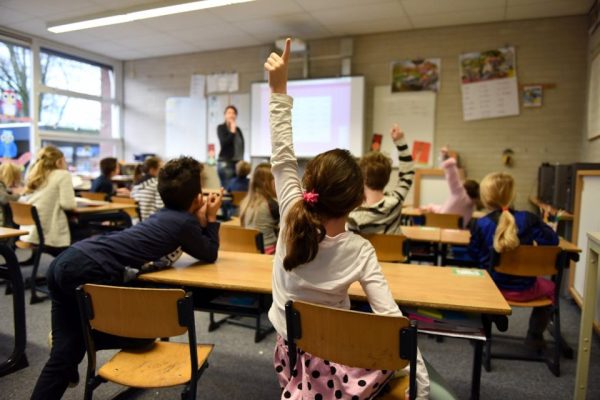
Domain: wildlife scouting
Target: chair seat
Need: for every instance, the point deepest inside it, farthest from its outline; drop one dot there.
(25, 245)
(159, 366)
(533, 303)
(397, 389)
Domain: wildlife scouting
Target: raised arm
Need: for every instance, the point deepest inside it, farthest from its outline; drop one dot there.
(283, 160)
(451, 172)
(406, 168)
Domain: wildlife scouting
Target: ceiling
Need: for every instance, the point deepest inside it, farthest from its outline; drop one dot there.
(262, 21)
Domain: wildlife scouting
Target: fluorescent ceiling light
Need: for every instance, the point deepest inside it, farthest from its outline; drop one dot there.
(157, 10)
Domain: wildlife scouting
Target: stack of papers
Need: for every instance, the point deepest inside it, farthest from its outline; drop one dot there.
(447, 323)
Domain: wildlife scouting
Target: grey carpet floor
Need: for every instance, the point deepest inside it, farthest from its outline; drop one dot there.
(242, 369)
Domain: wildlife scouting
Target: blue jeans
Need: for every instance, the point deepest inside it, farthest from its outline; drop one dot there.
(226, 171)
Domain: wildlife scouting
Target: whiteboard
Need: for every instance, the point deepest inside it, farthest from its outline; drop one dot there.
(185, 122)
(215, 111)
(434, 190)
(593, 114)
(589, 221)
(413, 111)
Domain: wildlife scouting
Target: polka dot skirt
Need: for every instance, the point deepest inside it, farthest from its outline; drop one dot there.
(318, 379)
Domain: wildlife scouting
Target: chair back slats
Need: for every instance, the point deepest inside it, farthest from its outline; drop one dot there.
(22, 213)
(93, 196)
(529, 261)
(135, 312)
(444, 221)
(389, 248)
(237, 197)
(355, 339)
(132, 212)
(244, 240)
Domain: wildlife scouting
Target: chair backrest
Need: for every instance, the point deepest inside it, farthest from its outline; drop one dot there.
(132, 212)
(245, 240)
(93, 196)
(351, 338)
(389, 248)
(133, 312)
(529, 261)
(26, 214)
(445, 221)
(237, 197)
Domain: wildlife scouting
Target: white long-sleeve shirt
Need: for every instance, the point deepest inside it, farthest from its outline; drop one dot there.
(341, 260)
(51, 200)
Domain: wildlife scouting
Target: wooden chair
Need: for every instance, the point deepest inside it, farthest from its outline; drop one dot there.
(145, 314)
(237, 197)
(444, 221)
(535, 261)
(389, 248)
(243, 240)
(27, 215)
(354, 339)
(93, 196)
(132, 212)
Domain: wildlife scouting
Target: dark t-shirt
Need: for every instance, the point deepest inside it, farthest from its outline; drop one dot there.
(102, 184)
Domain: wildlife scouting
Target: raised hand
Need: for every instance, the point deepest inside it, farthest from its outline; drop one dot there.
(213, 204)
(277, 67)
(396, 133)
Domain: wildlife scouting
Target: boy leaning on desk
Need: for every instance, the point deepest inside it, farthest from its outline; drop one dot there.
(187, 223)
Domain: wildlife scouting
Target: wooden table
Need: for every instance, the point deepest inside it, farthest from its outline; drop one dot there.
(588, 311)
(418, 212)
(422, 233)
(11, 271)
(462, 237)
(104, 208)
(411, 285)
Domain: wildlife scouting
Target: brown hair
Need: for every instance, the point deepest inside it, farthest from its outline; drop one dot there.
(261, 189)
(45, 162)
(472, 189)
(497, 193)
(231, 107)
(242, 168)
(10, 174)
(108, 165)
(144, 168)
(179, 183)
(337, 180)
(376, 168)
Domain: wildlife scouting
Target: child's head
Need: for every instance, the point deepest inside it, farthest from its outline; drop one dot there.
(333, 183)
(47, 160)
(108, 166)
(150, 166)
(376, 168)
(10, 174)
(242, 169)
(497, 193)
(472, 189)
(179, 183)
(261, 188)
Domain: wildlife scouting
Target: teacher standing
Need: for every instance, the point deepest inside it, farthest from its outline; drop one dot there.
(232, 145)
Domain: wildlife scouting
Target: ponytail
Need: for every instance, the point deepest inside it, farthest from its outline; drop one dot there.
(137, 174)
(304, 232)
(505, 237)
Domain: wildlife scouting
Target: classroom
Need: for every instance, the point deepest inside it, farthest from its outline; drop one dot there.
(168, 186)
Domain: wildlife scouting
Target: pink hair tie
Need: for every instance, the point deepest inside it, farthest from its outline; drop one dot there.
(504, 209)
(311, 197)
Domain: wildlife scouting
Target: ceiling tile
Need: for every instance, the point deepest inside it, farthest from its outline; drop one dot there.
(55, 9)
(425, 7)
(540, 9)
(182, 21)
(458, 18)
(202, 33)
(159, 51)
(227, 43)
(121, 32)
(295, 25)
(158, 39)
(363, 12)
(10, 16)
(256, 9)
(316, 5)
(365, 27)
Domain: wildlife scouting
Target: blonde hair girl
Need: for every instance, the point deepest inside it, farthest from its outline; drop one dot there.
(504, 229)
(47, 160)
(259, 209)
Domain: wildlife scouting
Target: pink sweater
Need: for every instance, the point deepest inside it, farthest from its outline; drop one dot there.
(459, 201)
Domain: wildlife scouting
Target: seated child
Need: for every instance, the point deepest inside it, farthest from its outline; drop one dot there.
(316, 259)
(380, 211)
(240, 182)
(10, 181)
(145, 187)
(50, 189)
(505, 229)
(109, 167)
(464, 198)
(259, 209)
(186, 222)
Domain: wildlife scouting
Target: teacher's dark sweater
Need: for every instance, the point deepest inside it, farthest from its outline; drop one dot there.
(227, 140)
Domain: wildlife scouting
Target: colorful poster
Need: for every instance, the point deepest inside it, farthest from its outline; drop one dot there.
(416, 75)
(532, 96)
(420, 152)
(489, 84)
(376, 142)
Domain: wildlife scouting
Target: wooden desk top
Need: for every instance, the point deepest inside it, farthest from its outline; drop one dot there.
(234, 221)
(421, 233)
(108, 207)
(7, 233)
(462, 237)
(417, 212)
(411, 285)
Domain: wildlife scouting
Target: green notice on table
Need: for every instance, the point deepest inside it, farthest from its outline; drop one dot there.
(467, 271)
